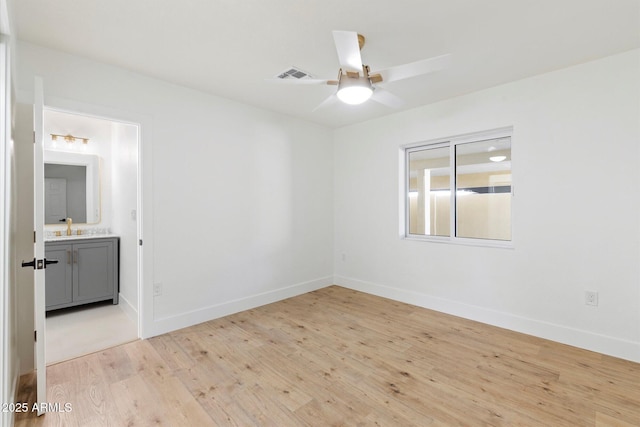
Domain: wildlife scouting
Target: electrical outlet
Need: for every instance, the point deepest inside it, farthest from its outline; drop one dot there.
(157, 289)
(591, 298)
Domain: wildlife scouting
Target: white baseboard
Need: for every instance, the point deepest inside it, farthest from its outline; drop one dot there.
(172, 323)
(611, 346)
(130, 310)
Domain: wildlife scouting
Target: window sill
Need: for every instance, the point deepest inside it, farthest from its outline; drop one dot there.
(500, 244)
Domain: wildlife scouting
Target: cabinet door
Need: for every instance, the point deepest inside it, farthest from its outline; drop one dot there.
(59, 277)
(93, 274)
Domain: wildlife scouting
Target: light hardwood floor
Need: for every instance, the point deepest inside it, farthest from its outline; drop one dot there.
(337, 357)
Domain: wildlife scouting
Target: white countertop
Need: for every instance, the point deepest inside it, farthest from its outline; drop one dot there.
(65, 238)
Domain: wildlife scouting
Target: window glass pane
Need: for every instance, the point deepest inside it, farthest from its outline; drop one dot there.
(428, 198)
(483, 189)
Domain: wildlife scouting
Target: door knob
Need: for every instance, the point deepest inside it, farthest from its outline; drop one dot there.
(29, 264)
(39, 264)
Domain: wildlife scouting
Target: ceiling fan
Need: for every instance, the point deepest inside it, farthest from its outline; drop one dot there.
(356, 83)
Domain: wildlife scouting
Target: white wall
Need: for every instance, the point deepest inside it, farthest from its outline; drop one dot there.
(124, 207)
(9, 309)
(576, 171)
(242, 200)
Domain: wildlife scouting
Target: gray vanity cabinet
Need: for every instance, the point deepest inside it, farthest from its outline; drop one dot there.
(59, 277)
(87, 271)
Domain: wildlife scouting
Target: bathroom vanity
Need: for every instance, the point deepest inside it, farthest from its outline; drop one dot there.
(86, 272)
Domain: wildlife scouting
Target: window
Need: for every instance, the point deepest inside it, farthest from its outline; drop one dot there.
(478, 167)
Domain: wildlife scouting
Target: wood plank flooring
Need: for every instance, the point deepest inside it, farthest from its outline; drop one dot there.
(337, 357)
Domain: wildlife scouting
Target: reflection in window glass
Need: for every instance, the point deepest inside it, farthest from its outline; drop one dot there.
(429, 198)
(483, 189)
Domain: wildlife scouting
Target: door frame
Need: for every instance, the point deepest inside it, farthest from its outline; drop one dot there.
(8, 359)
(144, 204)
(39, 280)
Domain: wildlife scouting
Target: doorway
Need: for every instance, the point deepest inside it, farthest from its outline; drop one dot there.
(112, 210)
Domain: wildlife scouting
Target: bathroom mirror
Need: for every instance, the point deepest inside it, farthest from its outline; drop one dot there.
(72, 187)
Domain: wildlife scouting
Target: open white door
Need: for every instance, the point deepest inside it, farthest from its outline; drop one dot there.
(39, 262)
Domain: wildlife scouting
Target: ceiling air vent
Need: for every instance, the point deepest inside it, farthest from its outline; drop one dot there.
(293, 73)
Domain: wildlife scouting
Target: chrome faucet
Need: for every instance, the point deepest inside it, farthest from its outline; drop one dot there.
(69, 221)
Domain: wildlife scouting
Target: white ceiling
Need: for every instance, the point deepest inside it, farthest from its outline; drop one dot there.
(228, 47)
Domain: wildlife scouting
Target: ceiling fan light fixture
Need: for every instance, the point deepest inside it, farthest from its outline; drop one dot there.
(354, 95)
(354, 91)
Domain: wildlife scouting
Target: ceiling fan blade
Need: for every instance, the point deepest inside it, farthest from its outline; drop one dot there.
(294, 81)
(413, 69)
(387, 98)
(348, 50)
(329, 101)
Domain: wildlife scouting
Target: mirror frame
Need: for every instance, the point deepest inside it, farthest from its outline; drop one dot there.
(92, 163)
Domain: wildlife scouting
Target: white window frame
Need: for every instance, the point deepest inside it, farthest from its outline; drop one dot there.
(451, 142)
